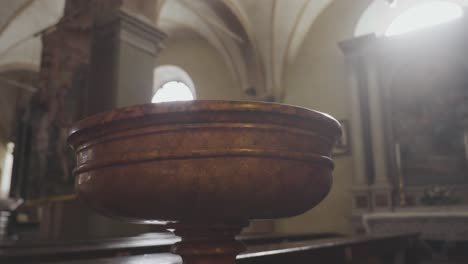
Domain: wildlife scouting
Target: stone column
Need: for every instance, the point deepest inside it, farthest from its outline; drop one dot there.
(371, 188)
(381, 187)
(359, 133)
(360, 189)
(123, 54)
(63, 93)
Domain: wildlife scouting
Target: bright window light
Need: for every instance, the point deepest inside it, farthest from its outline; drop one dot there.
(5, 180)
(424, 15)
(172, 91)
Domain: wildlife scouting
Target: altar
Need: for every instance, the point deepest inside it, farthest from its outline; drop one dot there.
(409, 130)
(449, 223)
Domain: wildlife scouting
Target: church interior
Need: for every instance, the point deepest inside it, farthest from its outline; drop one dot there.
(234, 74)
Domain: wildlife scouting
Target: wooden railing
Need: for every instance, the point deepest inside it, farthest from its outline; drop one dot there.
(274, 249)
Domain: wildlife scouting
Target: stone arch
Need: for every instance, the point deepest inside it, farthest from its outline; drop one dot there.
(169, 73)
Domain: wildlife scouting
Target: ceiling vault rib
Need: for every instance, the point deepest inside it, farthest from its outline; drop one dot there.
(15, 15)
(20, 41)
(231, 58)
(237, 74)
(288, 46)
(272, 49)
(252, 41)
(159, 6)
(244, 21)
(210, 21)
(39, 33)
(17, 84)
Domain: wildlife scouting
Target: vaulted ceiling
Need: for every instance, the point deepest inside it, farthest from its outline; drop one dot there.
(257, 39)
(19, 21)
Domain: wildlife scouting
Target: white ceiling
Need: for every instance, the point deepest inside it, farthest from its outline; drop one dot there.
(254, 37)
(257, 39)
(9, 10)
(18, 45)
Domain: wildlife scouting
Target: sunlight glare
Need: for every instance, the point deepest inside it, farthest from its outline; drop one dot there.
(172, 91)
(423, 16)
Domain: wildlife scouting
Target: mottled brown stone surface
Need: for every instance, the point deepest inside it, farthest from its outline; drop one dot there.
(204, 164)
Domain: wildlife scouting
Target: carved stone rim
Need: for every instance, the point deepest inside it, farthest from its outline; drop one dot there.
(129, 158)
(136, 112)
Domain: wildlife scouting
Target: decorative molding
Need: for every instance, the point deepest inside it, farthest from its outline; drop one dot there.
(138, 42)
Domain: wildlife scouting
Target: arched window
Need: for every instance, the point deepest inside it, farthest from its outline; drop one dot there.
(5, 180)
(173, 91)
(424, 15)
(172, 83)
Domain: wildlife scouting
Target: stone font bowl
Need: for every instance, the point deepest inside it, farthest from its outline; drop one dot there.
(198, 161)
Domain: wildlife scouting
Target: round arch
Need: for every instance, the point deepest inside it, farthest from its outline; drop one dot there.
(171, 73)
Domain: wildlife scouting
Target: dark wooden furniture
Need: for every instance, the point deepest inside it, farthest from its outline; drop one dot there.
(34, 251)
(397, 248)
(27, 251)
(204, 168)
(401, 248)
(277, 249)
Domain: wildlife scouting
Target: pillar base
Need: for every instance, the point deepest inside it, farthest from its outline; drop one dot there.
(208, 243)
(382, 197)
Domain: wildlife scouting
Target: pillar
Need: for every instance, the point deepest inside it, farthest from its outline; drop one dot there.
(381, 188)
(123, 54)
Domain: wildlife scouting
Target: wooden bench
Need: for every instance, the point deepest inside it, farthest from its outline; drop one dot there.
(400, 248)
(110, 247)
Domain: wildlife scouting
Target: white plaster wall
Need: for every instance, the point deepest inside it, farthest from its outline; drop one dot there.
(205, 66)
(317, 79)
